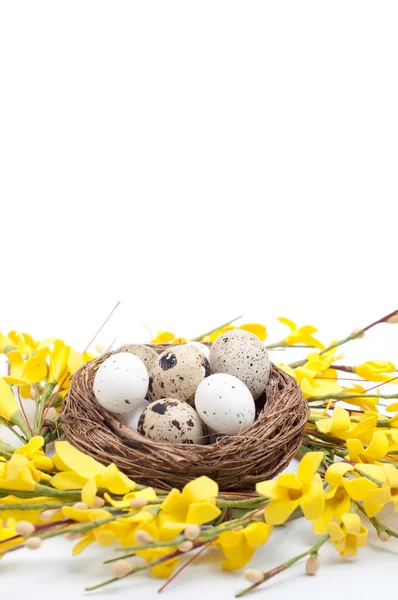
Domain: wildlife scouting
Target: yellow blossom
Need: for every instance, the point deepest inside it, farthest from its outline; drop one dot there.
(33, 451)
(19, 474)
(349, 536)
(337, 499)
(376, 370)
(290, 491)
(59, 357)
(7, 530)
(302, 335)
(163, 337)
(75, 467)
(195, 504)
(239, 546)
(375, 451)
(340, 425)
(33, 515)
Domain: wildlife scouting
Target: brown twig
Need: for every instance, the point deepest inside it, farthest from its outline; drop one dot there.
(184, 566)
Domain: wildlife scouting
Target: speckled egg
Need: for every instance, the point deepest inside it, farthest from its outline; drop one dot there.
(147, 354)
(202, 347)
(171, 420)
(121, 383)
(241, 354)
(177, 373)
(225, 404)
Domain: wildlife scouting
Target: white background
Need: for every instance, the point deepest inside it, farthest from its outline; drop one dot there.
(198, 160)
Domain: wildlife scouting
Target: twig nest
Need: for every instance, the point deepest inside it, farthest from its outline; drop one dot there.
(171, 420)
(236, 462)
(177, 373)
(243, 355)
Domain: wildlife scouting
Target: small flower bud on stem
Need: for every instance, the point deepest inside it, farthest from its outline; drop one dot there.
(98, 502)
(383, 536)
(24, 528)
(192, 532)
(47, 515)
(121, 568)
(185, 546)
(312, 565)
(253, 576)
(138, 503)
(33, 543)
(142, 537)
(80, 506)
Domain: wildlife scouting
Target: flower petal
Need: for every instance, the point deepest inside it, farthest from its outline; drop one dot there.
(278, 511)
(358, 489)
(202, 512)
(200, 489)
(336, 472)
(308, 466)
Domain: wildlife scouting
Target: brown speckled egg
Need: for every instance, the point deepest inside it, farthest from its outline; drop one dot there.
(177, 373)
(148, 355)
(171, 420)
(243, 355)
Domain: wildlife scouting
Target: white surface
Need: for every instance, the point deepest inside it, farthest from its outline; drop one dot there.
(197, 161)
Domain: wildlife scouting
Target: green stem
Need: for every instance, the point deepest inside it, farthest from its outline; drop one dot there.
(313, 551)
(353, 335)
(42, 506)
(40, 404)
(378, 525)
(10, 427)
(344, 396)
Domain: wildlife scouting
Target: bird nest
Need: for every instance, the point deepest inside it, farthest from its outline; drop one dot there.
(236, 462)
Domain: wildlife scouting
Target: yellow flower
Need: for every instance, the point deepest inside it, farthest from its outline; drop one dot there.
(18, 474)
(255, 328)
(376, 450)
(59, 357)
(239, 546)
(77, 360)
(17, 340)
(33, 451)
(376, 370)
(337, 499)
(391, 475)
(24, 373)
(302, 335)
(9, 409)
(163, 337)
(393, 408)
(75, 467)
(195, 504)
(290, 491)
(340, 426)
(369, 403)
(349, 536)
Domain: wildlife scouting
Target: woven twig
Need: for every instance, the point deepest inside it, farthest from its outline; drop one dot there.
(236, 462)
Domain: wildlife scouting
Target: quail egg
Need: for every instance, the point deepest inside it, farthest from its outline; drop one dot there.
(177, 373)
(121, 383)
(147, 354)
(242, 354)
(171, 420)
(202, 347)
(225, 404)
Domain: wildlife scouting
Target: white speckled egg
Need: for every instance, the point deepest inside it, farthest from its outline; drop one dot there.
(131, 418)
(225, 404)
(121, 383)
(171, 420)
(177, 373)
(205, 350)
(242, 354)
(147, 354)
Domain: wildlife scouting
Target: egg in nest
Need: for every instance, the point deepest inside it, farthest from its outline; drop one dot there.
(177, 373)
(243, 355)
(147, 354)
(172, 421)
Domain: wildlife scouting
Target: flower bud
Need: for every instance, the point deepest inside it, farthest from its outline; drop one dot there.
(24, 528)
(355, 331)
(185, 546)
(80, 506)
(33, 543)
(253, 576)
(142, 537)
(121, 568)
(98, 502)
(312, 565)
(383, 536)
(72, 536)
(138, 503)
(47, 515)
(192, 532)
(393, 319)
